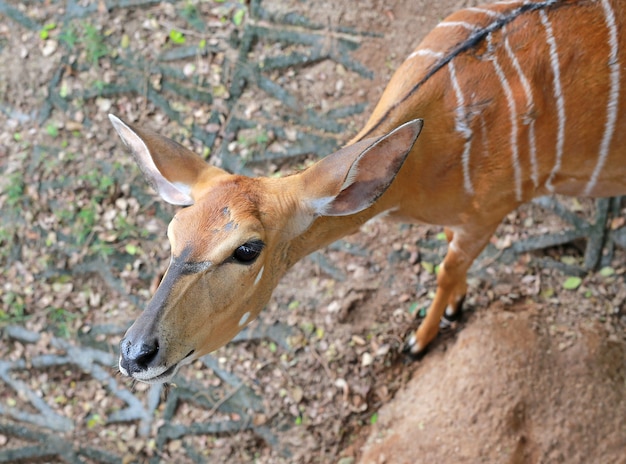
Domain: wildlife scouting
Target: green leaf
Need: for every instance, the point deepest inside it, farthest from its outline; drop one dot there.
(64, 91)
(441, 236)
(131, 249)
(374, 418)
(428, 267)
(94, 421)
(177, 37)
(413, 308)
(52, 130)
(125, 42)
(238, 17)
(569, 260)
(572, 283)
(45, 31)
(299, 420)
(607, 271)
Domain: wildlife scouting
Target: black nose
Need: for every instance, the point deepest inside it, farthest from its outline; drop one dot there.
(138, 356)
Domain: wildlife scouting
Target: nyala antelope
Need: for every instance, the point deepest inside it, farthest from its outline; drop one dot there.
(518, 99)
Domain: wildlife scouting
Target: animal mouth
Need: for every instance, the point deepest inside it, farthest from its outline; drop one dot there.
(158, 376)
(164, 377)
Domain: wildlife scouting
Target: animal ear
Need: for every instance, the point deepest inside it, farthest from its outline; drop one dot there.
(353, 178)
(171, 169)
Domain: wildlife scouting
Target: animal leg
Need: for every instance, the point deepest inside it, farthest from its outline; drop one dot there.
(463, 249)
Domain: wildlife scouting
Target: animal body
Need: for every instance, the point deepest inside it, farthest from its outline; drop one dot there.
(518, 99)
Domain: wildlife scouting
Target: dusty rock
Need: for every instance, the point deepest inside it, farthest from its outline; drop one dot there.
(505, 392)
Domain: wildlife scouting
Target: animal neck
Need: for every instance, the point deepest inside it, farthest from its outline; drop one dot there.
(327, 229)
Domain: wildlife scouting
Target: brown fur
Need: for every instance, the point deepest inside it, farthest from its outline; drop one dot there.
(298, 214)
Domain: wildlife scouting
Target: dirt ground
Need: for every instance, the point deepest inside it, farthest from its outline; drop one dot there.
(534, 373)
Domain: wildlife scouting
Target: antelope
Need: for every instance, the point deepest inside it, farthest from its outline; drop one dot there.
(519, 99)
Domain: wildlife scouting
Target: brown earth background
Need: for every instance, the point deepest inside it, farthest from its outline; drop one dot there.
(535, 373)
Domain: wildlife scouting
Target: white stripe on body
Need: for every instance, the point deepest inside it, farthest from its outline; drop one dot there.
(425, 52)
(484, 134)
(611, 110)
(558, 95)
(462, 127)
(475, 9)
(463, 24)
(532, 141)
(510, 99)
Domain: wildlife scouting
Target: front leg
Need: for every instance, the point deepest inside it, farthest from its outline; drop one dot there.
(454, 305)
(463, 249)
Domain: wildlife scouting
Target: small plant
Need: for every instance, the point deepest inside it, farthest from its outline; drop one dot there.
(253, 138)
(44, 34)
(190, 11)
(100, 183)
(68, 36)
(238, 16)
(13, 308)
(52, 130)
(177, 37)
(86, 221)
(126, 229)
(95, 46)
(101, 249)
(15, 189)
(61, 318)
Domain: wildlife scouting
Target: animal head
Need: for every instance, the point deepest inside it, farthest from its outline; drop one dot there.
(236, 237)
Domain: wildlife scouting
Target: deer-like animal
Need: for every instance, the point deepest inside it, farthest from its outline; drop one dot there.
(519, 99)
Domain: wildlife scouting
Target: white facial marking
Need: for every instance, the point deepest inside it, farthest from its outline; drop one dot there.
(244, 319)
(258, 277)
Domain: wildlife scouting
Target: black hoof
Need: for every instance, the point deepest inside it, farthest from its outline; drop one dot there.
(458, 314)
(409, 349)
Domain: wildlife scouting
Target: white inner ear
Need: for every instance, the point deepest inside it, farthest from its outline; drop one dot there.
(175, 193)
(354, 170)
(320, 205)
(185, 189)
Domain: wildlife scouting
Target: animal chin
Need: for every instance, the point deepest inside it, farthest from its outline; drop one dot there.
(159, 374)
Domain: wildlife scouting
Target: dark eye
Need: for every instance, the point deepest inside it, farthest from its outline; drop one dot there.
(248, 252)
